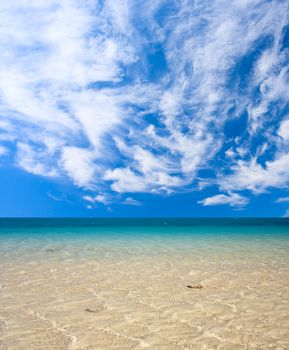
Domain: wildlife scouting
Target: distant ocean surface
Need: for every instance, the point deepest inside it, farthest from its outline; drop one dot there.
(100, 222)
(78, 236)
(123, 283)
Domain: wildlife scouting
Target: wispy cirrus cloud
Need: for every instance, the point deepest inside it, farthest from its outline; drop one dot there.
(121, 101)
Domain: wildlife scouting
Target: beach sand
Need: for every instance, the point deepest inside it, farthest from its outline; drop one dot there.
(118, 297)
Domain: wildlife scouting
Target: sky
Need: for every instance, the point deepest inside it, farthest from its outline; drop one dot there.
(144, 108)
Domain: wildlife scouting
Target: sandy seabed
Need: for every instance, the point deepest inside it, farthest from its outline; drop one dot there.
(138, 301)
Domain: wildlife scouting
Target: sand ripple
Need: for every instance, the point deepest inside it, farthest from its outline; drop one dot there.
(141, 301)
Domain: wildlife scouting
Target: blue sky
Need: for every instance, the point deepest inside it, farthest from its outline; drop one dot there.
(144, 108)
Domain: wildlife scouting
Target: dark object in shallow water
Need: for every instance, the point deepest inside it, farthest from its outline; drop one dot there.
(198, 286)
(90, 310)
(96, 309)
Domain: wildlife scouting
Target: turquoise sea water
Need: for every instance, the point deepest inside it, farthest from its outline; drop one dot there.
(132, 274)
(35, 238)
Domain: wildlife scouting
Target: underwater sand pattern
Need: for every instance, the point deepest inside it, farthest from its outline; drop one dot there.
(111, 296)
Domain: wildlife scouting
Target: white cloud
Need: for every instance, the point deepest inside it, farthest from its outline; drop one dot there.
(79, 166)
(98, 114)
(232, 199)
(284, 130)
(3, 151)
(253, 176)
(230, 153)
(52, 54)
(30, 158)
(88, 199)
(286, 215)
(103, 198)
(282, 200)
(77, 87)
(125, 180)
(131, 201)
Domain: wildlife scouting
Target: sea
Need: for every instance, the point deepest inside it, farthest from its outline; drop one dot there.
(134, 283)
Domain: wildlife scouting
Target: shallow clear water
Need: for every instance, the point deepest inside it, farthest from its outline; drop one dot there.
(132, 274)
(32, 238)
